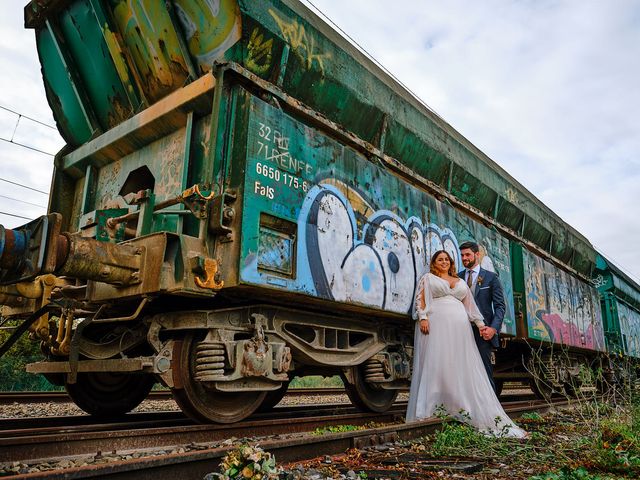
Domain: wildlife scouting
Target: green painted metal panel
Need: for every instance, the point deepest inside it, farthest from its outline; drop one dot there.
(509, 215)
(356, 233)
(561, 246)
(85, 43)
(123, 50)
(535, 232)
(470, 189)
(425, 160)
(69, 112)
(611, 323)
(283, 42)
(560, 308)
(158, 166)
(519, 291)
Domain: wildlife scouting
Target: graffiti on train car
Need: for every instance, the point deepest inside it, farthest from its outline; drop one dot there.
(494, 249)
(357, 233)
(259, 52)
(560, 308)
(304, 45)
(210, 27)
(630, 329)
(378, 265)
(153, 43)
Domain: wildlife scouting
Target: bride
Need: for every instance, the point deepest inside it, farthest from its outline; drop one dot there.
(447, 371)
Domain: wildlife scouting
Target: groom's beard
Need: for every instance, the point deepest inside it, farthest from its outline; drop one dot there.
(469, 263)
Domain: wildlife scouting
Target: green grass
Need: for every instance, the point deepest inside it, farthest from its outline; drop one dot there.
(316, 381)
(594, 441)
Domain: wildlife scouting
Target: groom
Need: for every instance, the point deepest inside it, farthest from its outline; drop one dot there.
(488, 295)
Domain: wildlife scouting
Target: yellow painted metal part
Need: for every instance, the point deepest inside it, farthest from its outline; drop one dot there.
(208, 280)
(62, 345)
(210, 28)
(26, 297)
(148, 33)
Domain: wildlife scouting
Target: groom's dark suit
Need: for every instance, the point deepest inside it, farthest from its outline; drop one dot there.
(490, 300)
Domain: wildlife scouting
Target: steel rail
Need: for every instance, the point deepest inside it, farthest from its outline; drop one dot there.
(86, 423)
(286, 448)
(61, 396)
(18, 445)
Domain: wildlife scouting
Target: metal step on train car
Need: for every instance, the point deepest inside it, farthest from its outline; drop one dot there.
(244, 197)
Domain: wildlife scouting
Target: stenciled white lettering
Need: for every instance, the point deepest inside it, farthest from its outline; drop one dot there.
(264, 191)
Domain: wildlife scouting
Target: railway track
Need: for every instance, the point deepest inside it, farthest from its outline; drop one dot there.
(45, 397)
(176, 446)
(52, 397)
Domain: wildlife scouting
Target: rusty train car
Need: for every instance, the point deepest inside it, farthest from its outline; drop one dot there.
(245, 197)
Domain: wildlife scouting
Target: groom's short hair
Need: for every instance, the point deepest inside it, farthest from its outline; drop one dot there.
(471, 245)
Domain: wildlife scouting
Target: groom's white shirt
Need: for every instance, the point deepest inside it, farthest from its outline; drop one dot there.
(474, 280)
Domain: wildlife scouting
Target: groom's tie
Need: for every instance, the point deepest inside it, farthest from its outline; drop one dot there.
(469, 278)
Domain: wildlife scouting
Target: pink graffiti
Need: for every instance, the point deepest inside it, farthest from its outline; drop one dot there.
(568, 334)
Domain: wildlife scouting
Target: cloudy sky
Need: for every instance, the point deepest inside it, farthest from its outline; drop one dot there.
(550, 90)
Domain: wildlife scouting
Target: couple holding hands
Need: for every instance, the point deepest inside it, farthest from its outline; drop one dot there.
(459, 316)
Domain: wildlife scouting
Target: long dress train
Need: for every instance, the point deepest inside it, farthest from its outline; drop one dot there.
(447, 369)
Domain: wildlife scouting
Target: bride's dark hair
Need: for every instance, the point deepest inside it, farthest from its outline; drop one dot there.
(452, 264)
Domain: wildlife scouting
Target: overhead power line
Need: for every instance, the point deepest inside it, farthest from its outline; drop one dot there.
(372, 58)
(27, 146)
(29, 118)
(23, 186)
(14, 215)
(15, 129)
(22, 201)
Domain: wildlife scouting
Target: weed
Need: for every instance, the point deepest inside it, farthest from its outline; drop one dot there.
(569, 474)
(531, 417)
(316, 381)
(337, 429)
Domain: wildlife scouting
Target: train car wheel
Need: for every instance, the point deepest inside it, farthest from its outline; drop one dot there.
(366, 397)
(273, 397)
(541, 389)
(109, 393)
(201, 402)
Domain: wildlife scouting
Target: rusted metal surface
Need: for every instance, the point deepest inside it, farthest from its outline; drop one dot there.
(112, 365)
(287, 449)
(166, 44)
(153, 123)
(64, 442)
(325, 184)
(104, 262)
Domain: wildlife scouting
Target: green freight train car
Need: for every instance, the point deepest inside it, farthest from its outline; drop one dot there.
(245, 197)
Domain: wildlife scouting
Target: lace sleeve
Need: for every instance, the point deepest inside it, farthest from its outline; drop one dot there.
(423, 299)
(472, 309)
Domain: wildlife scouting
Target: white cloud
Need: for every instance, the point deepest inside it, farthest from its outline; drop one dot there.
(549, 90)
(22, 90)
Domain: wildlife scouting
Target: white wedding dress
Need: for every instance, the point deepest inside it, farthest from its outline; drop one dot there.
(447, 368)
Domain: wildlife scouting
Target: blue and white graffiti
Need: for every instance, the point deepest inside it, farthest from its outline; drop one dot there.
(378, 268)
(377, 265)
